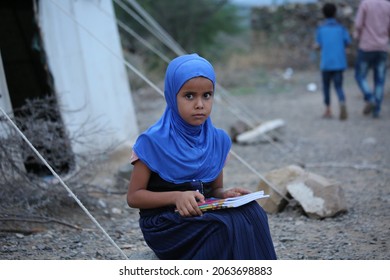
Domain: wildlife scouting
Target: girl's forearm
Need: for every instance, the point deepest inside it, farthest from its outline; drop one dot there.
(145, 199)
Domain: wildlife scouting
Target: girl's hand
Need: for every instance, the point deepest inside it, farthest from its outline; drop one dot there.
(235, 192)
(187, 204)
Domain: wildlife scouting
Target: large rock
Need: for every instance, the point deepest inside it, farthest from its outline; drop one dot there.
(318, 196)
(275, 184)
(261, 133)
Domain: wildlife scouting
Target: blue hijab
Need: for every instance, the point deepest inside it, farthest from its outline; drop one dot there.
(177, 151)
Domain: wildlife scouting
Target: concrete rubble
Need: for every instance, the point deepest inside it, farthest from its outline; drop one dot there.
(318, 196)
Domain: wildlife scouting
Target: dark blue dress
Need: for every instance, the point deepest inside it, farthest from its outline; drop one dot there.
(240, 233)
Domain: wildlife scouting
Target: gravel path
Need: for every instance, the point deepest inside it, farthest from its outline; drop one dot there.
(354, 152)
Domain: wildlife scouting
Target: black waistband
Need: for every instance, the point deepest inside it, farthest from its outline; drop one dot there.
(157, 184)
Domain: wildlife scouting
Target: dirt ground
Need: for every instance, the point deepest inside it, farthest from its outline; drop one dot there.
(355, 153)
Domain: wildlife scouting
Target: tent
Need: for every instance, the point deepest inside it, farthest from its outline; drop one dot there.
(69, 49)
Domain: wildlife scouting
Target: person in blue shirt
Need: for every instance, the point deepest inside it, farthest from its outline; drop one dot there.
(332, 38)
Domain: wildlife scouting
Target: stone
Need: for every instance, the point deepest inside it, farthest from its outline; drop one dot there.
(143, 255)
(318, 197)
(260, 133)
(238, 128)
(279, 179)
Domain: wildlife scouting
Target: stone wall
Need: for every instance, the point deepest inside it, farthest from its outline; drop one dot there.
(292, 27)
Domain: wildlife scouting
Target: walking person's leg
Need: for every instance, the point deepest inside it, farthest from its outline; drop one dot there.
(338, 84)
(379, 81)
(326, 79)
(362, 67)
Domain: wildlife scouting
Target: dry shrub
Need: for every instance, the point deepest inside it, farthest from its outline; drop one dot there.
(26, 184)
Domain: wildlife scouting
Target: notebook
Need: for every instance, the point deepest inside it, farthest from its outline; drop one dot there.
(218, 203)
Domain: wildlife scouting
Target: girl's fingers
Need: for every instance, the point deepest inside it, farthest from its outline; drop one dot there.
(199, 197)
(188, 204)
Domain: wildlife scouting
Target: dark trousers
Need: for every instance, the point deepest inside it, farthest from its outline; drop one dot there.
(376, 61)
(337, 78)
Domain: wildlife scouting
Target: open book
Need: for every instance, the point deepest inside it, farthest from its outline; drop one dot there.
(217, 203)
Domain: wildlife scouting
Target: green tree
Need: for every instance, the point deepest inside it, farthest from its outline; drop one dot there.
(193, 24)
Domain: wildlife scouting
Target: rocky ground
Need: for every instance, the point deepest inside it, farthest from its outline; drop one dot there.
(354, 152)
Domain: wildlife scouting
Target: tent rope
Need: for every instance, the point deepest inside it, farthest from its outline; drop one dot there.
(135, 34)
(155, 28)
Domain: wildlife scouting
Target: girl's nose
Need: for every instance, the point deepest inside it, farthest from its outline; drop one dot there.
(199, 103)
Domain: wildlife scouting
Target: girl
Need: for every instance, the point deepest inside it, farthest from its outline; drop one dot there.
(178, 162)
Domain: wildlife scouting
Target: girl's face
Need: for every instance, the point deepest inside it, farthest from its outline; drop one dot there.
(195, 100)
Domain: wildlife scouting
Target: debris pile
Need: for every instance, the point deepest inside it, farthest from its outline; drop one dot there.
(318, 196)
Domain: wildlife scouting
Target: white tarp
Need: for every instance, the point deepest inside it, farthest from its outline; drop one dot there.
(84, 53)
(5, 101)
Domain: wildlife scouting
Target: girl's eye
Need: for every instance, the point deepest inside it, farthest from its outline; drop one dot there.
(208, 95)
(189, 96)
